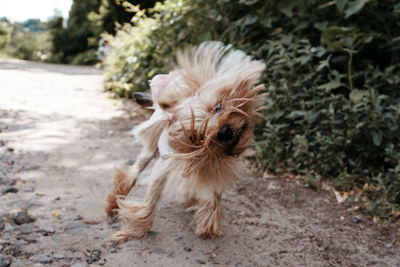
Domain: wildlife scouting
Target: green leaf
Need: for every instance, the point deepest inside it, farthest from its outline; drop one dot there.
(340, 4)
(248, 2)
(321, 25)
(250, 19)
(286, 7)
(205, 37)
(266, 21)
(356, 95)
(330, 85)
(335, 38)
(377, 138)
(354, 7)
(297, 114)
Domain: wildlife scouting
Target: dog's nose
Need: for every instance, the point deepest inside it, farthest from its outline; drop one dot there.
(225, 133)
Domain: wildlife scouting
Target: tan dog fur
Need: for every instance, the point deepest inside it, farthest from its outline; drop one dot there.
(214, 107)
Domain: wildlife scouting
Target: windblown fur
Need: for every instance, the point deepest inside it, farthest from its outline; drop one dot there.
(213, 101)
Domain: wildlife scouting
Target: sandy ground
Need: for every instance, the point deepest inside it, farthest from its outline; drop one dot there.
(61, 138)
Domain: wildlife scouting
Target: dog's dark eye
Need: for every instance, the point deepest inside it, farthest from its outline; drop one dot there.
(163, 106)
(218, 108)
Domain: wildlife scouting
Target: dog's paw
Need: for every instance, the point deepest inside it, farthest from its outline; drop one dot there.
(111, 213)
(136, 222)
(120, 236)
(111, 207)
(190, 202)
(123, 236)
(209, 233)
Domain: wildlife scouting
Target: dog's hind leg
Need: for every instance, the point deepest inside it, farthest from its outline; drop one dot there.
(137, 220)
(125, 180)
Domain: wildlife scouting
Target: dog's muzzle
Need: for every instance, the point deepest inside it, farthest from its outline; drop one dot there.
(225, 133)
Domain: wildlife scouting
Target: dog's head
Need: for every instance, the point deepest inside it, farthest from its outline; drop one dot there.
(215, 123)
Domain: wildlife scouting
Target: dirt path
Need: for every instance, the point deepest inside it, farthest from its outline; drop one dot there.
(61, 139)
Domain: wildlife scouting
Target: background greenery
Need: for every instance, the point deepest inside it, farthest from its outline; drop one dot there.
(74, 40)
(333, 79)
(27, 40)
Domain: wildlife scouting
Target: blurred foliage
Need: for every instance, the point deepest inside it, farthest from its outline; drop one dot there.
(77, 43)
(5, 34)
(145, 49)
(114, 12)
(34, 25)
(333, 77)
(25, 40)
(72, 41)
(71, 44)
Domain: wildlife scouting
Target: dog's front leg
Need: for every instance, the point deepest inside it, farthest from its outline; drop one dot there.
(137, 220)
(125, 180)
(208, 217)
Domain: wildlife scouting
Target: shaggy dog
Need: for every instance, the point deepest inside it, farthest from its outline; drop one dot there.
(200, 129)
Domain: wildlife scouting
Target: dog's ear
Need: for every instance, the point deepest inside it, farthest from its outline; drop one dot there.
(252, 72)
(241, 68)
(201, 63)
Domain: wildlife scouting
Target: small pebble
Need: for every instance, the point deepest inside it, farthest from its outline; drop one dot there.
(130, 162)
(17, 243)
(388, 245)
(8, 227)
(116, 225)
(77, 218)
(356, 219)
(23, 217)
(58, 257)
(46, 229)
(9, 189)
(94, 256)
(187, 248)
(102, 261)
(41, 258)
(31, 238)
(26, 228)
(152, 234)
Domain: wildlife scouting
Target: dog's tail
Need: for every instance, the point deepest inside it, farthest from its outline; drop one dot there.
(123, 184)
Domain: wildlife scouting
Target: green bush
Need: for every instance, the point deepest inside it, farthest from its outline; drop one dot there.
(24, 40)
(146, 49)
(88, 57)
(333, 77)
(5, 34)
(29, 45)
